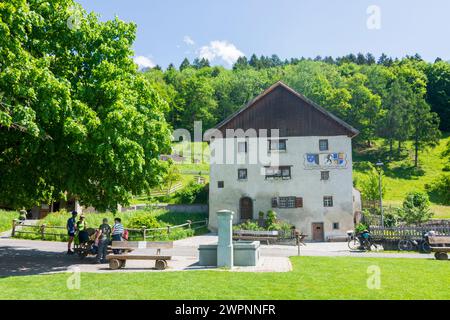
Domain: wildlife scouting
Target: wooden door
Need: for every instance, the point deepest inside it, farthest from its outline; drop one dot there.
(317, 231)
(246, 208)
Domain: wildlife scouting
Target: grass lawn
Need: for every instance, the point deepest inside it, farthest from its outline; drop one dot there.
(93, 220)
(312, 278)
(401, 177)
(6, 218)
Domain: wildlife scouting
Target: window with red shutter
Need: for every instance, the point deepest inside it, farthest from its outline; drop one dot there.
(299, 202)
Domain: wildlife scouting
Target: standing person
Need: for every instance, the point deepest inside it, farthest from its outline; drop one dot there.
(81, 230)
(117, 232)
(103, 238)
(70, 226)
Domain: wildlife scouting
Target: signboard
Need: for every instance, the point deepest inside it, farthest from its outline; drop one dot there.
(336, 160)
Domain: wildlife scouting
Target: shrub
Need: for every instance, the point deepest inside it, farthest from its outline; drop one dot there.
(143, 219)
(369, 185)
(248, 225)
(440, 189)
(193, 193)
(271, 219)
(392, 216)
(360, 227)
(416, 208)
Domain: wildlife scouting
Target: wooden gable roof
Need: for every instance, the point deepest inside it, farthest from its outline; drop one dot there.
(281, 107)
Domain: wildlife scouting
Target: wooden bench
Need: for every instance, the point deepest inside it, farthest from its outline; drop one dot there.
(117, 261)
(268, 236)
(440, 245)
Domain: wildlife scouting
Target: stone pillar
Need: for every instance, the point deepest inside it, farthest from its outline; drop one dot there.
(225, 243)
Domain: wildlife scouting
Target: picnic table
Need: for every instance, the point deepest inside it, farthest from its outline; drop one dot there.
(117, 261)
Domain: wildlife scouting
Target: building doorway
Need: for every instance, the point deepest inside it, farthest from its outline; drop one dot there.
(246, 208)
(317, 231)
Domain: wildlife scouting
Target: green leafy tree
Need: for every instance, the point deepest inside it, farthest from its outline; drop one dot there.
(370, 186)
(416, 208)
(185, 64)
(425, 126)
(438, 91)
(241, 63)
(76, 117)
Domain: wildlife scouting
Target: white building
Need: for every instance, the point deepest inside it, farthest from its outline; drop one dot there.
(304, 172)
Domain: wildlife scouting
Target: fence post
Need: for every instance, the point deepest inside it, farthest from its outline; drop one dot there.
(189, 222)
(168, 229)
(144, 232)
(43, 231)
(13, 232)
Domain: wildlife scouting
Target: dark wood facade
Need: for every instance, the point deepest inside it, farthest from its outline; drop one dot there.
(280, 107)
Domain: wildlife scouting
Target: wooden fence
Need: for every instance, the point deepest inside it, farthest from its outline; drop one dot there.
(406, 232)
(168, 191)
(44, 232)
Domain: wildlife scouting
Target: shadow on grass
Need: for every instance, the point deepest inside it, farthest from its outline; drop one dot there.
(404, 171)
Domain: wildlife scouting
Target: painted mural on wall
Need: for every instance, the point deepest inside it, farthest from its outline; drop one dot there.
(336, 160)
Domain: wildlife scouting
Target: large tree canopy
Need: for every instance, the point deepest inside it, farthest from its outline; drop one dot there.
(75, 115)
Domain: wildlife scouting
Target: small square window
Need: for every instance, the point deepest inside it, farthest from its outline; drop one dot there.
(220, 184)
(242, 174)
(242, 147)
(323, 145)
(328, 201)
(324, 175)
(279, 145)
(335, 225)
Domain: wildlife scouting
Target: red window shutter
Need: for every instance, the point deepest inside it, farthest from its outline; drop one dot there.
(299, 202)
(274, 202)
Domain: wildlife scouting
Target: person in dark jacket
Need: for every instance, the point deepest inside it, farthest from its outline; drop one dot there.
(103, 239)
(71, 228)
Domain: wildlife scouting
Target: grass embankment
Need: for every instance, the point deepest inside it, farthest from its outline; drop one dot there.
(195, 163)
(130, 219)
(312, 278)
(6, 218)
(401, 177)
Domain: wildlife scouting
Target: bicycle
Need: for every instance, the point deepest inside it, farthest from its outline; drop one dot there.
(420, 245)
(356, 243)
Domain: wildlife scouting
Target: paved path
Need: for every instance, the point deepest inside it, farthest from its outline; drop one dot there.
(27, 257)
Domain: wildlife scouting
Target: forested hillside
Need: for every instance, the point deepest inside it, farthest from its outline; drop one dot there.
(395, 99)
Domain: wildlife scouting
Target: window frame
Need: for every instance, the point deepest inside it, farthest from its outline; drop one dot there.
(328, 201)
(284, 141)
(280, 174)
(242, 170)
(245, 146)
(220, 184)
(336, 226)
(287, 202)
(327, 145)
(322, 175)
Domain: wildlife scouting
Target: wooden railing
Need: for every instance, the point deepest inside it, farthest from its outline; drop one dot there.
(168, 191)
(406, 232)
(145, 233)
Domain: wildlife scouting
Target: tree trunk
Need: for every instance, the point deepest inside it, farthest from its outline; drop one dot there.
(416, 152)
(391, 142)
(399, 147)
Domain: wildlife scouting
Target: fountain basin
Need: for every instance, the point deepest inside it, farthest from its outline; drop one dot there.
(246, 253)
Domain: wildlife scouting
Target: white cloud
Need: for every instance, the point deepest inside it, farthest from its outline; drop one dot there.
(143, 62)
(220, 50)
(188, 40)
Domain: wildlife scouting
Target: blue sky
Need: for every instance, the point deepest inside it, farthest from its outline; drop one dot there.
(169, 30)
